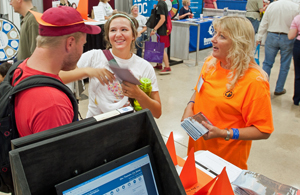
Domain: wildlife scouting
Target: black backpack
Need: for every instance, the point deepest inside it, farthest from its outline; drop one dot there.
(153, 20)
(8, 127)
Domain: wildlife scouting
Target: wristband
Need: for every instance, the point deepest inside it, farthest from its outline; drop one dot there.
(227, 138)
(191, 102)
(236, 133)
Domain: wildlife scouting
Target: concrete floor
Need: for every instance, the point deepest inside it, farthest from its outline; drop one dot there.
(277, 158)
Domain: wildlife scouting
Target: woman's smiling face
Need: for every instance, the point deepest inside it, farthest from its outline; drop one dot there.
(120, 34)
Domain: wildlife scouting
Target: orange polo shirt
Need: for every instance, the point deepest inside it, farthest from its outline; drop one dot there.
(248, 104)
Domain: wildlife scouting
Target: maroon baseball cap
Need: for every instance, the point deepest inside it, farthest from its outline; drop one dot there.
(63, 20)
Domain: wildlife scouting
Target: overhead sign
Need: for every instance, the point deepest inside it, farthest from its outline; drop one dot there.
(145, 6)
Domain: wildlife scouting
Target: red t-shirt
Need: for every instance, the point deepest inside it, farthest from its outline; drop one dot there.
(40, 108)
(248, 104)
(209, 4)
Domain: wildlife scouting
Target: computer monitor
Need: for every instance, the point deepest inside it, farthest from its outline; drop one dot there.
(134, 173)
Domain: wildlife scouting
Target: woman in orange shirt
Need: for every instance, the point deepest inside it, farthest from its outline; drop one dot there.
(233, 93)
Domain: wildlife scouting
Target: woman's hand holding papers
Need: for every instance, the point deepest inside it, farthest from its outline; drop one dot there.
(213, 132)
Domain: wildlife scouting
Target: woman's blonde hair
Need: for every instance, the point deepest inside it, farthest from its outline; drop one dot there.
(133, 7)
(240, 56)
(185, 2)
(104, 1)
(133, 24)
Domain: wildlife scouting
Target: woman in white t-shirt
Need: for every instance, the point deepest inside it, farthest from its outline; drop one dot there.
(106, 94)
(141, 29)
(107, 8)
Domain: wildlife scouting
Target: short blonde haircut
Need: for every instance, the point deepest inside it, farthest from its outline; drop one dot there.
(185, 2)
(133, 7)
(54, 41)
(133, 26)
(241, 54)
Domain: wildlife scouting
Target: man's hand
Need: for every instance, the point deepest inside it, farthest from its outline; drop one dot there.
(258, 43)
(152, 33)
(102, 74)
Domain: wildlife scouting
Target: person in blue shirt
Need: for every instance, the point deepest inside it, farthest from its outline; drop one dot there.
(185, 12)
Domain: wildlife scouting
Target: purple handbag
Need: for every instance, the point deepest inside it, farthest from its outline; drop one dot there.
(154, 51)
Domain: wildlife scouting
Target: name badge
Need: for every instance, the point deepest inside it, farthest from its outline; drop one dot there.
(200, 83)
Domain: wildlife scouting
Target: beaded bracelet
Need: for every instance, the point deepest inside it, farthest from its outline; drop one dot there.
(236, 133)
(191, 102)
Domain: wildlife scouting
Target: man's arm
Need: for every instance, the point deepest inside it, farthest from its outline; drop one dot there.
(102, 74)
(293, 33)
(33, 33)
(260, 5)
(159, 24)
(263, 27)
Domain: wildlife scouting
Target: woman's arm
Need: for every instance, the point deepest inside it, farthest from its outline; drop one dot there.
(152, 103)
(102, 74)
(184, 15)
(189, 110)
(215, 4)
(247, 133)
(293, 33)
(143, 30)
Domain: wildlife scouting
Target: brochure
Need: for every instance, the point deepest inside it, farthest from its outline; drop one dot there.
(249, 183)
(192, 125)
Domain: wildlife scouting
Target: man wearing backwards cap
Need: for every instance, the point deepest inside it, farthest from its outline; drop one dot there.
(59, 47)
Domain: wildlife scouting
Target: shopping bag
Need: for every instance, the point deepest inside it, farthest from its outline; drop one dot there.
(257, 51)
(154, 51)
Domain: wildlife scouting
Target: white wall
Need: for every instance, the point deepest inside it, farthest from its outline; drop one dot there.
(123, 5)
(39, 5)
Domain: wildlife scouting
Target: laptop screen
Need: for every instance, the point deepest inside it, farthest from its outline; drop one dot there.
(132, 174)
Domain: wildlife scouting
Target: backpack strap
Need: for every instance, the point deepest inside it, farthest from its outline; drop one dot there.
(10, 73)
(110, 58)
(41, 80)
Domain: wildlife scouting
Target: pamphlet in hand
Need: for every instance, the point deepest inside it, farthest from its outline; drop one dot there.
(192, 125)
(124, 74)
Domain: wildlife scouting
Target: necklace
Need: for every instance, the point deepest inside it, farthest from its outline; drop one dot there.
(226, 66)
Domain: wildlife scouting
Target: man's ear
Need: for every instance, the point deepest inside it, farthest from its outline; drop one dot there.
(70, 42)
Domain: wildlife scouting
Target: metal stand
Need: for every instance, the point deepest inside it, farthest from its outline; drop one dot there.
(172, 62)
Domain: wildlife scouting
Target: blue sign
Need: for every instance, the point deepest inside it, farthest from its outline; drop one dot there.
(206, 34)
(145, 6)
